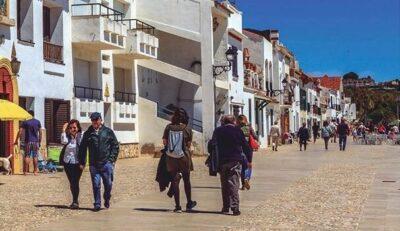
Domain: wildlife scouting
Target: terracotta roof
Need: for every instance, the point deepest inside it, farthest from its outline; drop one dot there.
(331, 82)
(253, 36)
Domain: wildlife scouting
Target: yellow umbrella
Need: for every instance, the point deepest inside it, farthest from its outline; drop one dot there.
(11, 111)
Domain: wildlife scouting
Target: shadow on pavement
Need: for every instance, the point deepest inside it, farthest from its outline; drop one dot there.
(168, 210)
(61, 207)
(206, 187)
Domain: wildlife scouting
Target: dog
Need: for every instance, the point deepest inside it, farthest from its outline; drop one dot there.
(6, 165)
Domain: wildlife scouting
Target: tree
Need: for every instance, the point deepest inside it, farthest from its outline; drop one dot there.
(351, 75)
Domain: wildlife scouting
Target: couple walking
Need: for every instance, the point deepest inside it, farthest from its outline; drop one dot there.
(103, 152)
(176, 162)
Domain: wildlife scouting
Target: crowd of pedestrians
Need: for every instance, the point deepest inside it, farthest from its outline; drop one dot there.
(231, 155)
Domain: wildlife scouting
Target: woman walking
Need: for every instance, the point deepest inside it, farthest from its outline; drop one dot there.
(178, 138)
(71, 138)
(326, 133)
(252, 140)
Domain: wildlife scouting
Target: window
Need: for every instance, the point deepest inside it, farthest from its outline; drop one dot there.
(25, 20)
(235, 65)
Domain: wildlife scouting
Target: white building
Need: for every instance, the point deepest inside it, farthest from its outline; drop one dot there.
(258, 79)
(40, 32)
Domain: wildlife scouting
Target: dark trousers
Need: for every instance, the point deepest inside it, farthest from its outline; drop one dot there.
(342, 142)
(187, 185)
(106, 173)
(326, 140)
(303, 142)
(230, 175)
(74, 174)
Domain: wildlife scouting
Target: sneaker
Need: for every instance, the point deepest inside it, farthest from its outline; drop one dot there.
(107, 204)
(246, 184)
(225, 211)
(96, 208)
(190, 205)
(178, 209)
(236, 212)
(74, 205)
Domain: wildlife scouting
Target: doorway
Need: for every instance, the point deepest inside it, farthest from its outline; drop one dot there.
(3, 134)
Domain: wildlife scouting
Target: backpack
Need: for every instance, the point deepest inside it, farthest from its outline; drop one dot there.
(325, 132)
(175, 144)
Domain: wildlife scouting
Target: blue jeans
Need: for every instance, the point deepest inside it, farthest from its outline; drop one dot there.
(106, 173)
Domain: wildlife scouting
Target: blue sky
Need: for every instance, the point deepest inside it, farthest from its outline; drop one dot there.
(334, 36)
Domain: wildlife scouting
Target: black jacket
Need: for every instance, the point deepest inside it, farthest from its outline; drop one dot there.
(303, 133)
(231, 144)
(103, 146)
(163, 177)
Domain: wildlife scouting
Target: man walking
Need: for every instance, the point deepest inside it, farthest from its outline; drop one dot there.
(275, 134)
(33, 137)
(103, 153)
(231, 142)
(304, 136)
(343, 131)
(315, 130)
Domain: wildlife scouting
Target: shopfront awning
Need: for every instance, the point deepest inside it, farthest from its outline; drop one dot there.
(11, 111)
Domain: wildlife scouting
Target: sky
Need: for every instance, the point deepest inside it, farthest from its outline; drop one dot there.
(334, 36)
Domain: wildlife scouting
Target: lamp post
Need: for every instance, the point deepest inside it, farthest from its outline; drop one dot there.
(278, 92)
(231, 55)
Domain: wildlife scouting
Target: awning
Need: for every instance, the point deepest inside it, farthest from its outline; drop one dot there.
(11, 111)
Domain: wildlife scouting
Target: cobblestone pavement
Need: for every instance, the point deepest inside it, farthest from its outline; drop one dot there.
(291, 190)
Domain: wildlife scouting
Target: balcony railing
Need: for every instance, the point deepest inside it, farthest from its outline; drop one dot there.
(166, 113)
(96, 9)
(125, 97)
(137, 25)
(88, 93)
(52, 52)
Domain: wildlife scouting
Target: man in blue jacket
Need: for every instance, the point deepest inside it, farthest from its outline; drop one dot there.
(231, 143)
(103, 153)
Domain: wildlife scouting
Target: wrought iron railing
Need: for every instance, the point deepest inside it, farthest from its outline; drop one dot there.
(96, 9)
(166, 113)
(88, 93)
(125, 97)
(137, 25)
(52, 52)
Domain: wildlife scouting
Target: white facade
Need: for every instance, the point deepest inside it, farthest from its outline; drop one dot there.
(42, 76)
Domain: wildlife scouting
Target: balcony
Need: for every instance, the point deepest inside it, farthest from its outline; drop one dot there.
(52, 53)
(125, 112)
(97, 26)
(125, 97)
(140, 42)
(88, 93)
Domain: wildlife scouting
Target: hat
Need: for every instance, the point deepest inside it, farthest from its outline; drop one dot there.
(95, 116)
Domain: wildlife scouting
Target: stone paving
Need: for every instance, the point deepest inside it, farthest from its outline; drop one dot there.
(291, 190)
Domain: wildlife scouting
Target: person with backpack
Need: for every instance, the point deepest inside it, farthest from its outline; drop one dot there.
(177, 138)
(231, 144)
(103, 153)
(343, 131)
(252, 140)
(304, 136)
(326, 133)
(71, 139)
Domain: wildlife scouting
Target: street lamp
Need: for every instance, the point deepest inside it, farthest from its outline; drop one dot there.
(15, 63)
(231, 55)
(278, 92)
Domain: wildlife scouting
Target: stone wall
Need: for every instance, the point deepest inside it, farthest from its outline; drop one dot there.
(129, 151)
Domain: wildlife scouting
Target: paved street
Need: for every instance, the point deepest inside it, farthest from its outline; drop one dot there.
(316, 189)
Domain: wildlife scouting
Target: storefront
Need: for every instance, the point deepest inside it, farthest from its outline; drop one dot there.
(8, 129)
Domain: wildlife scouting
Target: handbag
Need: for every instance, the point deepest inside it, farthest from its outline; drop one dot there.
(253, 143)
